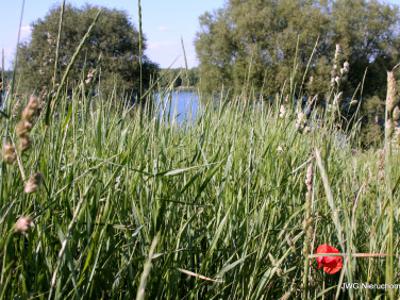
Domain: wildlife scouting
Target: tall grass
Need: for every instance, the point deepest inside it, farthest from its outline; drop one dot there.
(223, 197)
(231, 205)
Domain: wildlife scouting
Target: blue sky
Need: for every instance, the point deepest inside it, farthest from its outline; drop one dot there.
(164, 22)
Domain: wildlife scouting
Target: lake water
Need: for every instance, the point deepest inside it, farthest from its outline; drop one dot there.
(180, 106)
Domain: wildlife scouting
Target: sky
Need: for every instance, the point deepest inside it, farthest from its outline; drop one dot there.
(164, 23)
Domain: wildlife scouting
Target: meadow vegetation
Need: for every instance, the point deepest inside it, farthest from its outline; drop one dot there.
(103, 199)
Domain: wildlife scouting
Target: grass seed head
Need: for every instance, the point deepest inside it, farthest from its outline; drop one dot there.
(31, 109)
(23, 224)
(391, 100)
(33, 103)
(9, 153)
(23, 127)
(33, 183)
(90, 76)
(28, 114)
(337, 52)
(345, 69)
(334, 72)
(309, 177)
(396, 114)
(282, 112)
(24, 142)
(338, 98)
(381, 164)
(301, 121)
(280, 149)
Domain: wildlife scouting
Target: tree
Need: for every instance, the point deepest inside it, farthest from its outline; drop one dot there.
(111, 50)
(368, 32)
(268, 44)
(373, 122)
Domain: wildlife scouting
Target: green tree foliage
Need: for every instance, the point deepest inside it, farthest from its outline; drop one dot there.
(368, 32)
(267, 43)
(111, 50)
(373, 121)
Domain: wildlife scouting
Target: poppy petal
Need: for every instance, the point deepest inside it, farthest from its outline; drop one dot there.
(330, 264)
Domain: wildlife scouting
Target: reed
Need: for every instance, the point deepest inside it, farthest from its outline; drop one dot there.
(227, 202)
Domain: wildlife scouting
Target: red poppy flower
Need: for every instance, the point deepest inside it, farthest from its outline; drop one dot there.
(330, 264)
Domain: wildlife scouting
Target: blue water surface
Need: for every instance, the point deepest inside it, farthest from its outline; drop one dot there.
(179, 106)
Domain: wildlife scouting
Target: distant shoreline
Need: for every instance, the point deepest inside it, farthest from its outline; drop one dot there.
(185, 89)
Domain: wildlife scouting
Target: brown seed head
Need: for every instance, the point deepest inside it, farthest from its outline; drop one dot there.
(396, 114)
(391, 100)
(9, 154)
(24, 142)
(23, 127)
(90, 76)
(31, 109)
(23, 224)
(33, 183)
(309, 177)
(28, 114)
(33, 103)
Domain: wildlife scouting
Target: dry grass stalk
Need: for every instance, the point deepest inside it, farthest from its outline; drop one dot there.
(307, 226)
(366, 255)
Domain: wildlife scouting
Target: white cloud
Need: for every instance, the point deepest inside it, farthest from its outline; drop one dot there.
(26, 31)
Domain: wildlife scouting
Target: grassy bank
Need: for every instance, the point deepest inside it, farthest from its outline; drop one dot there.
(133, 206)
